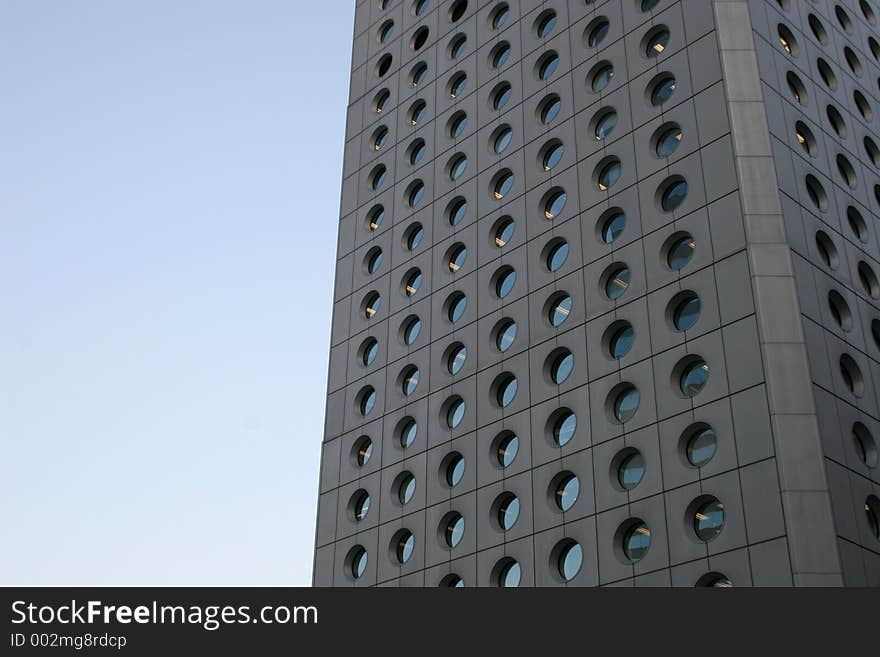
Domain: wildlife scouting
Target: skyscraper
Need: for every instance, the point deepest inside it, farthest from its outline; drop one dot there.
(607, 307)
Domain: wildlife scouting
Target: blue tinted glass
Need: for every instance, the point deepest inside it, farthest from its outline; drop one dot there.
(370, 352)
(553, 157)
(548, 66)
(405, 546)
(637, 541)
(694, 378)
(412, 330)
(407, 489)
(626, 404)
(455, 414)
(359, 562)
(368, 401)
(455, 471)
(457, 258)
(602, 77)
(669, 142)
(570, 561)
(506, 336)
(502, 140)
(507, 450)
(457, 359)
(563, 430)
(410, 381)
(681, 252)
(456, 310)
(502, 53)
(617, 283)
(687, 313)
(416, 194)
(709, 520)
(605, 125)
(511, 576)
(455, 531)
(609, 175)
(503, 186)
(458, 210)
(560, 310)
(613, 227)
(505, 284)
(414, 236)
(562, 367)
(701, 447)
(557, 257)
(546, 26)
(598, 33)
(631, 471)
(508, 512)
(458, 167)
(663, 90)
(408, 432)
(555, 205)
(507, 392)
(502, 96)
(567, 492)
(550, 110)
(504, 232)
(674, 195)
(622, 341)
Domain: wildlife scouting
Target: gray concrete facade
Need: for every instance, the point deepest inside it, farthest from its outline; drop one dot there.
(766, 371)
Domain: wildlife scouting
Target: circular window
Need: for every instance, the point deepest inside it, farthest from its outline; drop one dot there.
(455, 127)
(499, 55)
(624, 402)
(368, 351)
(548, 108)
(380, 102)
(619, 339)
(827, 74)
(693, 377)
(403, 544)
(554, 202)
(366, 400)
(662, 88)
(852, 375)
(868, 12)
(456, 356)
(456, 210)
(505, 334)
(840, 310)
(600, 76)
(452, 527)
(673, 192)
(456, 46)
(827, 250)
(371, 304)
(501, 138)
(380, 136)
(545, 23)
(457, 84)
(377, 176)
(864, 444)
(611, 225)
(667, 140)
(684, 310)
(648, 5)
(453, 469)
(414, 193)
(679, 251)
(616, 281)
(869, 281)
(551, 154)
(359, 505)
(596, 31)
(835, 118)
(362, 450)
(405, 486)
(818, 29)
(700, 445)
(855, 64)
(844, 19)
(506, 449)
(406, 431)
(457, 10)
(561, 365)
(797, 88)
(502, 183)
(456, 166)
(630, 468)
(547, 64)
(559, 308)
(373, 260)
(563, 426)
(499, 15)
(505, 389)
(569, 560)
(456, 304)
(846, 171)
(383, 65)
(508, 574)
(357, 561)
(805, 138)
(608, 173)
(416, 151)
(419, 38)
(635, 540)
(386, 30)
(786, 39)
(872, 151)
(410, 329)
(503, 281)
(501, 95)
(507, 505)
(604, 123)
(565, 489)
(375, 217)
(454, 412)
(412, 281)
(708, 518)
(655, 42)
(872, 510)
(417, 112)
(418, 74)
(503, 231)
(409, 380)
(555, 254)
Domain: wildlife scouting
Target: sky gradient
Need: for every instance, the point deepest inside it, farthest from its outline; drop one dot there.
(169, 198)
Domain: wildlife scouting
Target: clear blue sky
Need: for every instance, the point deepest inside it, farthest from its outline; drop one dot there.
(169, 198)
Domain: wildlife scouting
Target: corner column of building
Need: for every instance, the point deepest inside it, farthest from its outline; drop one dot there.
(812, 540)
